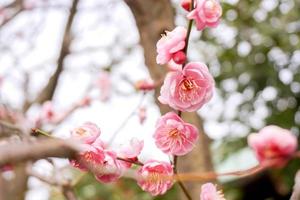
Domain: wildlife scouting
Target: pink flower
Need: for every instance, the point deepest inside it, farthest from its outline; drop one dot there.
(109, 170)
(130, 152)
(170, 44)
(209, 192)
(145, 85)
(174, 136)
(206, 13)
(133, 149)
(102, 163)
(86, 133)
(88, 158)
(273, 145)
(153, 177)
(188, 89)
(48, 114)
(104, 84)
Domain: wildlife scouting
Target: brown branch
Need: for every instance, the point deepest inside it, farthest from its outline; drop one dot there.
(34, 150)
(48, 92)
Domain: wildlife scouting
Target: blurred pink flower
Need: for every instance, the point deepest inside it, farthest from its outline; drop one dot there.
(86, 133)
(186, 4)
(104, 84)
(109, 170)
(48, 113)
(170, 44)
(188, 89)
(209, 192)
(174, 136)
(152, 177)
(273, 145)
(206, 13)
(85, 101)
(145, 85)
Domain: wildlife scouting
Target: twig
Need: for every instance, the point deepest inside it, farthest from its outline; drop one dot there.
(181, 185)
(130, 161)
(8, 129)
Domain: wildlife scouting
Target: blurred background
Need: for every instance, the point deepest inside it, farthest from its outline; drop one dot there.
(64, 51)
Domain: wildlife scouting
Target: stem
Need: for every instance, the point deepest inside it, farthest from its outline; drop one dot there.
(130, 161)
(190, 25)
(185, 191)
(38, 131)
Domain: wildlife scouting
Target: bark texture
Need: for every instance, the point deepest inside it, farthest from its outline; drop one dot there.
(153, 17)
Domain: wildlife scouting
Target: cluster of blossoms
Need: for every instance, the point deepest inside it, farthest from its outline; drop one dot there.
(186, 88)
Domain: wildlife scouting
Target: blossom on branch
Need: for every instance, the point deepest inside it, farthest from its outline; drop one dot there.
(206, 13)
(273, 145)
(189, 89)
(131, 151)
(86, 133)
(155, 177)
(169, 46)
(174, 136)
(210, 192)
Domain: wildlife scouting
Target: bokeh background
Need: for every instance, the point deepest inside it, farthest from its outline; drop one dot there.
(254, 56)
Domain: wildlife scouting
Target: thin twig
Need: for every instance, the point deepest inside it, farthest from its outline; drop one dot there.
(185, 191)
(132, 113)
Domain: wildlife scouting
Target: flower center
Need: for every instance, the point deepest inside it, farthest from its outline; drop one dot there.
(81, 132)
(187, 84)
(174, 133)
(154, 178)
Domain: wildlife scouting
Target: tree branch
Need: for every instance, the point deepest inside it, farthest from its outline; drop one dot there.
(48, 92)
(34, 150)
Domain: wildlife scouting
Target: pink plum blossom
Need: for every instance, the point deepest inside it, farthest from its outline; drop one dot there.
(48, 113)
(174, 136)
(109, 170)
(89, 156)
(86, 133)
(131, 151)
(152, 177)
(206, 13)
(209, 192)
(102, 163)
(273, 144)
(170, 44)
(104, 84)
(189, 89)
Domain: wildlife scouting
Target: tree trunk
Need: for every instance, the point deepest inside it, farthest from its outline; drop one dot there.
(153, 17)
